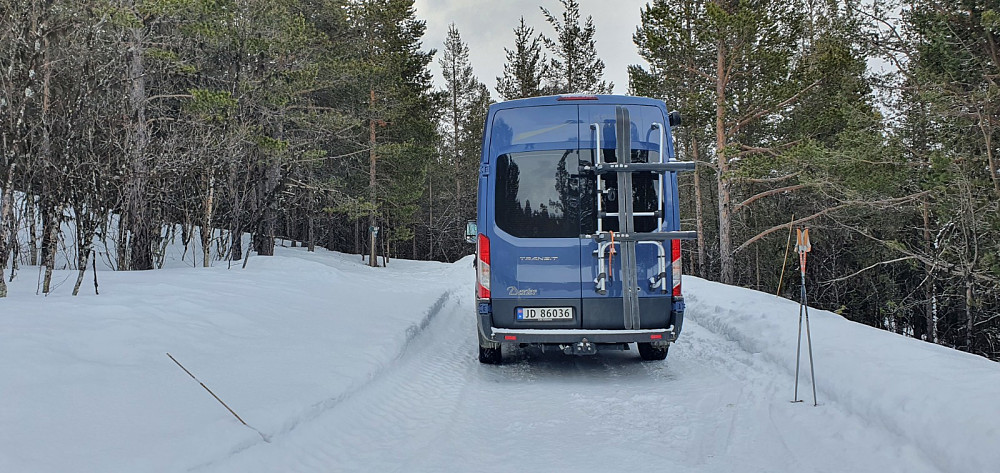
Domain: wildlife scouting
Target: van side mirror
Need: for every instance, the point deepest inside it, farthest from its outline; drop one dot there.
(471, 231)
(675, 118)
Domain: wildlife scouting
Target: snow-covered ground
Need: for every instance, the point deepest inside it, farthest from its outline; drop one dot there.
(341, 367)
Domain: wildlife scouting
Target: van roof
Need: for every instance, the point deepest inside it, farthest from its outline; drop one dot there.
(554, 99)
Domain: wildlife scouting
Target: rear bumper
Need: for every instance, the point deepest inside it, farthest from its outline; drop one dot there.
(566, 336)
(563, 335)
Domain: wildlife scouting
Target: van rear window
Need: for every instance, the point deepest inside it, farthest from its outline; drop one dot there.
(644, 198)
(537, 194)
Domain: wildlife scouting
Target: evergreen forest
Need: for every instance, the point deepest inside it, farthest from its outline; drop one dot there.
(128, 125)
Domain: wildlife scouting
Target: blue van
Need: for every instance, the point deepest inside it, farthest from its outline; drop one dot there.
(577, 232)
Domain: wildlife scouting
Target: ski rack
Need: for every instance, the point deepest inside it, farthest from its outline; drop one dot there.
(627, 238)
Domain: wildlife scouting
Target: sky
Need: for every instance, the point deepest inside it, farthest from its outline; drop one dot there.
(488, 27)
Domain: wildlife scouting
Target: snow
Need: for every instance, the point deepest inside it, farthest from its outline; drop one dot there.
(343, 367)
(940, 400)
(88, 378)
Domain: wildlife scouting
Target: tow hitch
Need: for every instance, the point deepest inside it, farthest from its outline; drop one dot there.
(583, 347)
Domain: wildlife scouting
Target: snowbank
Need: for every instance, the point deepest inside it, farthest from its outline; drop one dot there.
(943, 401)
(86, 384)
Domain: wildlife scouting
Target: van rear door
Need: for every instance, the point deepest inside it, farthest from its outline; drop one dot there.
(534, 217)
(597, 128)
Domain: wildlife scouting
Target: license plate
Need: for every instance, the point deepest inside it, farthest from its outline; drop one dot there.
(544, 313)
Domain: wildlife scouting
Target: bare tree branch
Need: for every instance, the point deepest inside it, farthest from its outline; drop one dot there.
(821, 213)
(880, 263)
(761, 195)
(760, 113)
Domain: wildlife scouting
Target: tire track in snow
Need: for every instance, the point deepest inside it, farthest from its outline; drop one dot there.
(422, 390)
(316, 410)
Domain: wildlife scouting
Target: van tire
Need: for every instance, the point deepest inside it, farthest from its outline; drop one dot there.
(650, 353)
(489, 352)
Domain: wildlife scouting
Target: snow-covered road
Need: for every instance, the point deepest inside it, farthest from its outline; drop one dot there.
(710, 408)
(346, 368)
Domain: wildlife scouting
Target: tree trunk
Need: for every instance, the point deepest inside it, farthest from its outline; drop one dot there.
(929, 309)
(455, 152)
(51, 229)
(205, 233)
(140, 224)
(312, 233)
(430, 218)
(372, 242)
(206, 228)
(371, 188)
(6, 216)
(237, 245)
(94, 269)
(15, 249)
(122, 244)
(29, 207)
(82, 258)
(263, 239)
(265, 234)
(969, 323)
(385, 254)
(186, 229)
(699, 218)
(725, 244)
(757, 265)
(222, 245)
(988, 137)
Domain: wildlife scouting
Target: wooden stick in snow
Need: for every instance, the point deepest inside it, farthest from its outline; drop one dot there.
(262, 436)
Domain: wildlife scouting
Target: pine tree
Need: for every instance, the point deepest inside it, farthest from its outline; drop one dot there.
(740, 54)
(678, 63)
(526, 68)
(459, 86)
(400, 121)
(575, 66)
(462, 127)
(951, 129)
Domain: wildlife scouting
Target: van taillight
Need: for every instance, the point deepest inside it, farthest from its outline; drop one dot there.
(675, 256)
(483, 268)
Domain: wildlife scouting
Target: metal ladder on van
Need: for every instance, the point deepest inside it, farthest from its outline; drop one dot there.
(627, 238)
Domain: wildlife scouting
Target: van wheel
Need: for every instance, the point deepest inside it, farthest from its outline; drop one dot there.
(650, 353)
(489, 352)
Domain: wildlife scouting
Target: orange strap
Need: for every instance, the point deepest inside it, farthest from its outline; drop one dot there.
(611, 254)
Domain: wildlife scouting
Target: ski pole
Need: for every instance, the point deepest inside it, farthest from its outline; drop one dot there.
(798, 349)
(812, 370)
(803, 246)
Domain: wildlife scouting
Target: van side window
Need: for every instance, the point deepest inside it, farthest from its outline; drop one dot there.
(537, 194)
